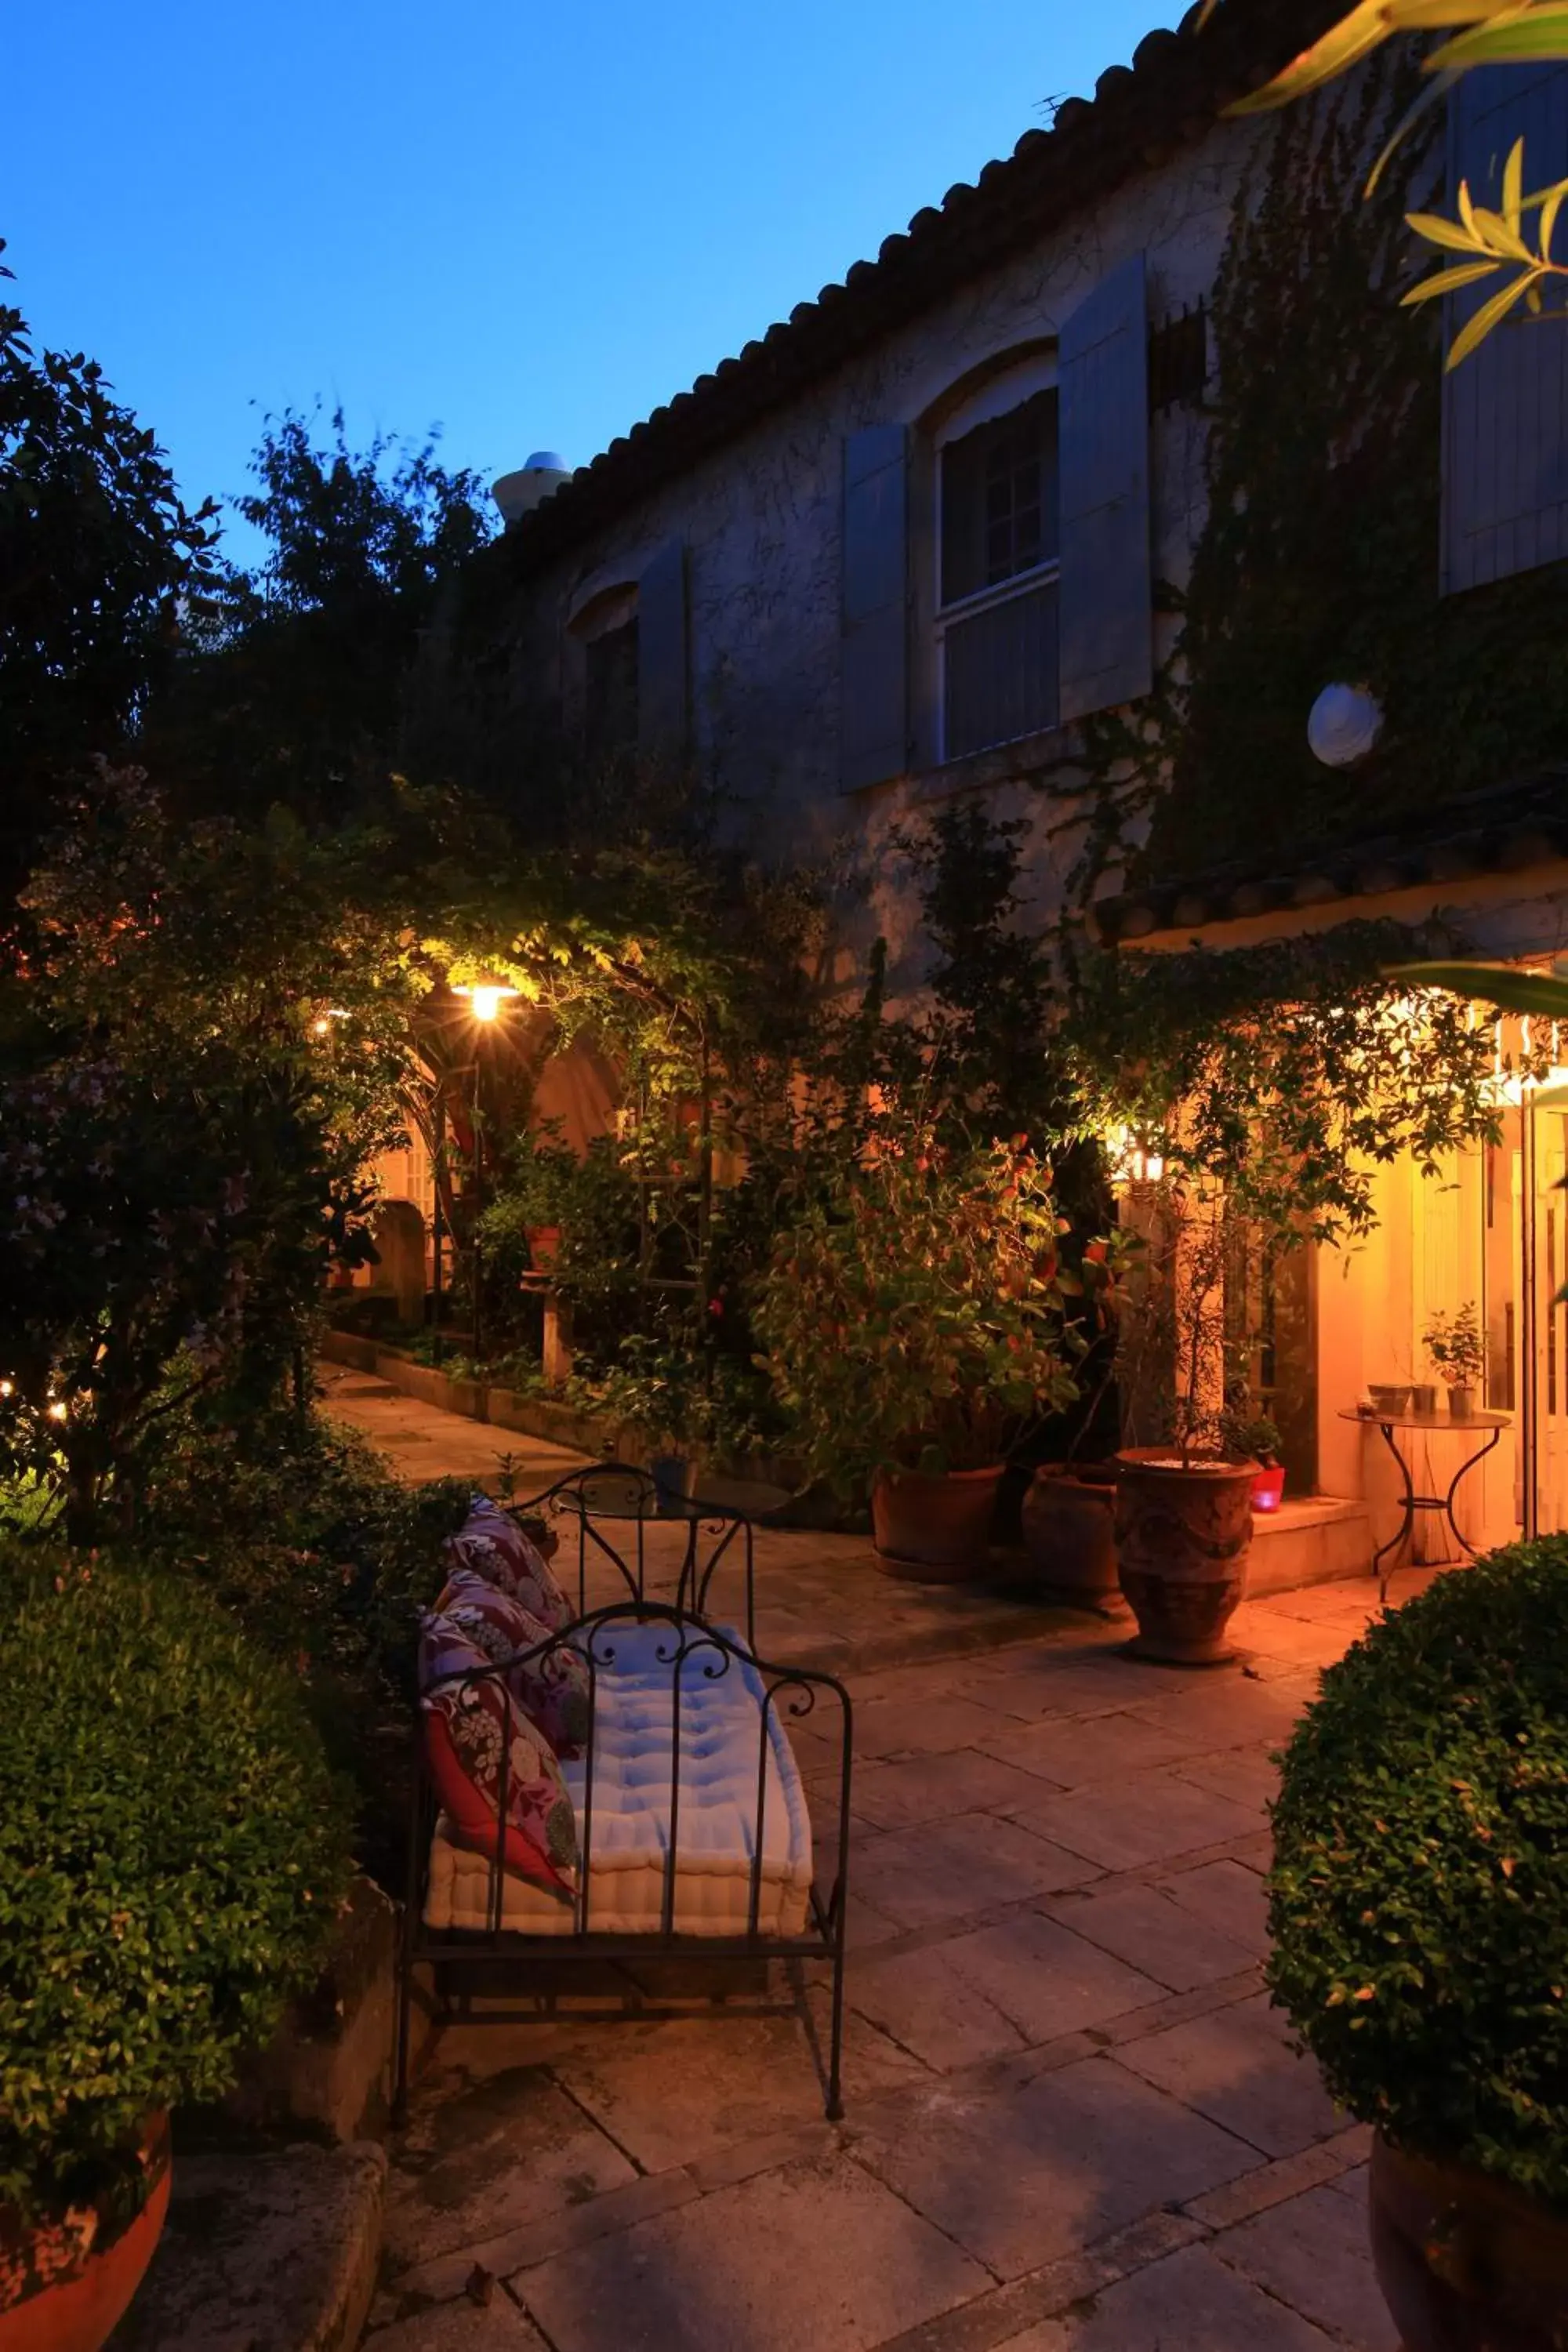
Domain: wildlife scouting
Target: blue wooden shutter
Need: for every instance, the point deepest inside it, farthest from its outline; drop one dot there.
(663, 660)
(1106, 596)
(874, 724)
(1505, 408)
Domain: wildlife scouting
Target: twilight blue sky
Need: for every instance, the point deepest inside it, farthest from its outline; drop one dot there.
(533, 226)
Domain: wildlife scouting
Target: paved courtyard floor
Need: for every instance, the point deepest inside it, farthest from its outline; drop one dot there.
(1074, 2123)
(821, 1599)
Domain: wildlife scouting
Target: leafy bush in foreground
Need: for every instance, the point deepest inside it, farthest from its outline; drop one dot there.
(1419, 1903)
(173, 1849)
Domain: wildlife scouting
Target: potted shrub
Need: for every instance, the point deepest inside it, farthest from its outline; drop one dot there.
(1459, 1355)
(1183, 1508)
(1069, 1510)
(172, 1852)
(911, 1325)
(1420, 1921)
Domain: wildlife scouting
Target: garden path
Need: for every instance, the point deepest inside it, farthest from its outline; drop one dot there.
(821, 1599)
(1073, 2122)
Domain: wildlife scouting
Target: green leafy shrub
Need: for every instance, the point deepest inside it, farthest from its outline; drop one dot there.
(912, 1317)
(1418, 1903)
(325, 1559)
(172, 1848)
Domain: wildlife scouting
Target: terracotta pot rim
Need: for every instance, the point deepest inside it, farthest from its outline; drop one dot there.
(935, 1477)
(1163, 1464)
(1074, 1474)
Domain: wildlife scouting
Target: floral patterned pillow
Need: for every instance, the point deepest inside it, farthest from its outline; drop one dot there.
(476, 1734)
(551, 1686)
(494, 1546)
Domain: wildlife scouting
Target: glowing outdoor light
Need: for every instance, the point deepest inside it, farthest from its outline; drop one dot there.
(58, 1411)
(1133, 1161)
(485, 997)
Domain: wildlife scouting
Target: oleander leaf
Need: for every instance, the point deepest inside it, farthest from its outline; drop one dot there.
(1513, 186)
(1499, 984)
(1437, 229)
(1518, 39)
(1491, 313)
(1499, 237)
(1448, 281)
(1342, 46)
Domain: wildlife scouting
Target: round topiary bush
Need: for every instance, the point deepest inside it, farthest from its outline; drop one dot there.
(172, 1848)
(1419, 1898)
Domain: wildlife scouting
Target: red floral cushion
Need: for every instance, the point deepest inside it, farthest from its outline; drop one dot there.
(470, 1725)
(551, 1687)
(494, 1546)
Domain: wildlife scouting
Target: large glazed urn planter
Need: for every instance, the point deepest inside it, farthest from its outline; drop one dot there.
(1182, 1538)
(1466, 2264)
(64, 2285)
(936, 1530)
(1070, 1532)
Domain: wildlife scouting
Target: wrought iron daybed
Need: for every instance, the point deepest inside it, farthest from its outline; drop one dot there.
(690, 1843)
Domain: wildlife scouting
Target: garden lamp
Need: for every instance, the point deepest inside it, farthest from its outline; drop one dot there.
(485, 997)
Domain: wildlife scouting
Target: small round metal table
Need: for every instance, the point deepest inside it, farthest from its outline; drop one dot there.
(1427, 1423)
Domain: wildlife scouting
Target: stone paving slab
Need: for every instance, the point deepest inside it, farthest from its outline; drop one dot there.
(272, 2250)
(1142, 1925)
(1188, 2303)
(815, 2255)
(1312, 2254)
(1238, 2068)
(482, 2155)
(1020, 2176)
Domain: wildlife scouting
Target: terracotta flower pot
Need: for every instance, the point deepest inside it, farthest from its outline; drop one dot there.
(937, 1530)
(543, 1246)
(1069, 1535)
(1461, 1403)
(64, 2285)
(1467, 2263)
(1181, 1540)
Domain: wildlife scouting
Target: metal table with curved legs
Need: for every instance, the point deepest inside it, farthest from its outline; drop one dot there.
(1386, 1424)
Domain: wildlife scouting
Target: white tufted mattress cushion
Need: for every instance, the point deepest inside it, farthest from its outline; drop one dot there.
(721, 1731)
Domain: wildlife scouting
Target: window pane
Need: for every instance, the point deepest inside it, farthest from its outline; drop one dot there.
(610, 697)
(999, 499)
(999, 673)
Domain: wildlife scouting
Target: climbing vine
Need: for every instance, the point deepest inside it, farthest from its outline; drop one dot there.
(1319, 556)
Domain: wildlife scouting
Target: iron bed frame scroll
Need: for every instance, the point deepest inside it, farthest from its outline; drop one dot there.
(694, 1645)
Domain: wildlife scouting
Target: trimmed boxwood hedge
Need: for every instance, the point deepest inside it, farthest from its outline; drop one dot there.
(1420, 1893)
(173, 1850)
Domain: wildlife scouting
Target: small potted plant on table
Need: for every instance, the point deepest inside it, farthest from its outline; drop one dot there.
(1420, 1923)
(911, 1325)
(173, 1850)
(1459, 1355)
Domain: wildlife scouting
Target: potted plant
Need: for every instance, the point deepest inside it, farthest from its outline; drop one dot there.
(1420, 1918)
(1183, 1506)
(911, 1326)
(1459, 1355)
(173, 1851)
(1257, 1438)
(1068, 1509)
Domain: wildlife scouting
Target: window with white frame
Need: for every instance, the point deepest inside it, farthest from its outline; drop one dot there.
(997, 552)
